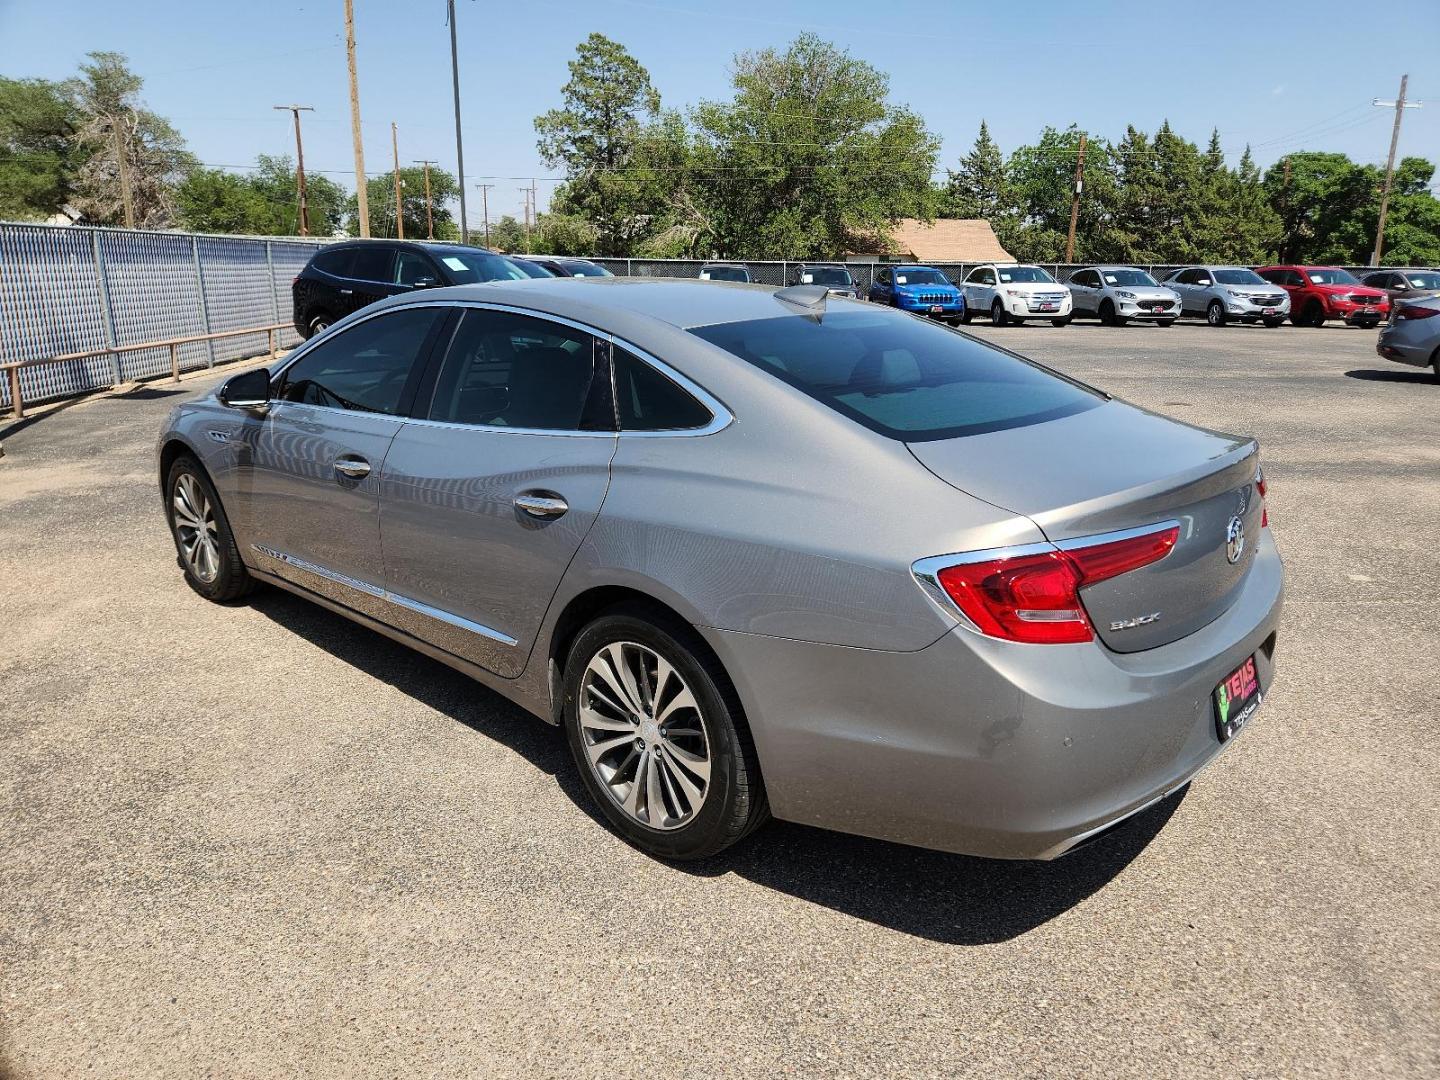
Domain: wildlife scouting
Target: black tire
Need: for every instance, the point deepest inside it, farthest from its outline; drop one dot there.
(998, 316)
(1435, 364)
(1215, 314)
(1107, 314)
(966, 316)
(734, 804)
(231, 580)
(1313, 315)
(1368, 324)
(1064, 321)
(1165, 322)
(319, 323)
(1272, 323)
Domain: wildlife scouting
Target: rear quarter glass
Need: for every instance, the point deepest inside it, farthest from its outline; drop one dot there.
(902, 377)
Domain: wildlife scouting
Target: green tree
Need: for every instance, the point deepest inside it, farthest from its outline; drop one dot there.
(1412, 226)
(38, 157)
(1256, 232)
(380, 191)
(608, 101)
(508, 235)
(807, 157)
(115, 126)
(1042, 177)
(980, 188)
(563, 234)
(262, 203)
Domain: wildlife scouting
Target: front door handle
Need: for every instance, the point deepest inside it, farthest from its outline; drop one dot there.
(541, 504)
(347, 292)
(356, 468)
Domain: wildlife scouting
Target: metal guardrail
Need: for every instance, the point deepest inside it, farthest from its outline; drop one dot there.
(14, 367)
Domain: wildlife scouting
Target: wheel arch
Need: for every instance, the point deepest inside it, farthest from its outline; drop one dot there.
(173, 448)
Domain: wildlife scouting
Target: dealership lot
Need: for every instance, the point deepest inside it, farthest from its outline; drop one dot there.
(262, 841)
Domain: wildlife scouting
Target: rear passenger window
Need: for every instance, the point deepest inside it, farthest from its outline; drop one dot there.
(413, 269)
(648, 401)
(517, 371)
(334, 262)
(372, 264)
(365, 368)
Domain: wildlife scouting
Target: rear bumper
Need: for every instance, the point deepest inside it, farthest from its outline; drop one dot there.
(1393, 346)
(986, 747)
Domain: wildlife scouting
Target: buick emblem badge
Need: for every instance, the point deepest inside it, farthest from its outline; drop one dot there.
(1235, 539)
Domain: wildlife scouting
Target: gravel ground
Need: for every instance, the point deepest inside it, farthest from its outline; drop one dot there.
(260, 841)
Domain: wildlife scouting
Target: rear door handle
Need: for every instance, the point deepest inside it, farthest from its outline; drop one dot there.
(347, 292)
(541, 504)
(356, 468)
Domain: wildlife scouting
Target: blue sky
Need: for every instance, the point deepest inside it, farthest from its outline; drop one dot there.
(215, 69)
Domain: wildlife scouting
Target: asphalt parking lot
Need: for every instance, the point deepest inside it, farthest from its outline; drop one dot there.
(261, 841)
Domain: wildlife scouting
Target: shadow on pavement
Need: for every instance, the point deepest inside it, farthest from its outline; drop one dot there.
(954, 899)
(1413, 375)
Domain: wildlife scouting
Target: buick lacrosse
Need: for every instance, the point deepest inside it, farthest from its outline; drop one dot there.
(758, 552)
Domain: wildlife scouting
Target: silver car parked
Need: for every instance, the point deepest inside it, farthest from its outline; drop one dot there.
(1117, 294)
(1413, 333)
(1225, 293)
(758, 552)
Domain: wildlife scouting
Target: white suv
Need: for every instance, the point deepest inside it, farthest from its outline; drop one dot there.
(1012, 292)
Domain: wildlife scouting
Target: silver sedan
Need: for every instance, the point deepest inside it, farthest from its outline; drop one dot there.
(759, 552)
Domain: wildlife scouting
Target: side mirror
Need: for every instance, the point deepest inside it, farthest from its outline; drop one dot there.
(248, 390)
(425, 283)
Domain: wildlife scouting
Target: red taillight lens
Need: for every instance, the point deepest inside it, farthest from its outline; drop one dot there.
(1260, 489)
(1415, 311)
(1035, 598)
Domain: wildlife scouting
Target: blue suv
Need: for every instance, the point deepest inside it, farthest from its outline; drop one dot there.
(919, 289)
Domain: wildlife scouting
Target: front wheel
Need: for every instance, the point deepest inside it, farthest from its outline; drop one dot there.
(1272, 323)
(966, 316)
(203, 540)
(1062, 321)
(320, 323)
(997, 314)
(1215, 313)
(659, 736)
(1166, 322)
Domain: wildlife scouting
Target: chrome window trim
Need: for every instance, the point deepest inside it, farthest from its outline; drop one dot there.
(720, 416)
(379, 593)
(926, 571)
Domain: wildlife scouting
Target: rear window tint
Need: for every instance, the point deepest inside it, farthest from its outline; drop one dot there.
(903, 377)
(372, 264)
(335, 262)
(648, 401)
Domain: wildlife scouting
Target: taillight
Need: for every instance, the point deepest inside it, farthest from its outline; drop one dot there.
(1034, 596)
(1260, 490)
(1415, 311)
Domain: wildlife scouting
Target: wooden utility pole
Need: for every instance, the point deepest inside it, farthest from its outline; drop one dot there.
(485, 205)
(399, 203)
(126, 199)
(526, 192)
(1400, 105)
(1075, 201)
(459, 142)
(296, 110)
(429, 212)
(362, 201)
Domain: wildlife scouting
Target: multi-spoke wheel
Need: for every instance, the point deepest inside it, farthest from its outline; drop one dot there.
(202, 534)
(643, 735)
(659, 737)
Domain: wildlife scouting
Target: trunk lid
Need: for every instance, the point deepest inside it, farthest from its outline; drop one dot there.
(1118, 467)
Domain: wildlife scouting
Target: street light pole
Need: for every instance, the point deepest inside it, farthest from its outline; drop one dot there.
(296, 110)
(459, 142)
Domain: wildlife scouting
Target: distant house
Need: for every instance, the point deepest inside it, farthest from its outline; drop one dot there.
(945, 240)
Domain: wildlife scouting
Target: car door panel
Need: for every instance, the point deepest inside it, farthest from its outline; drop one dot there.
(370, 279)
(471, 568)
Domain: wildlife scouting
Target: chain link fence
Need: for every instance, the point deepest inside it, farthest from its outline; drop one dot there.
(67, 289)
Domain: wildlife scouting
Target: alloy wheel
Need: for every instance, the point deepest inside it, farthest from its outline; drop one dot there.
(643, 735)
(195, 527)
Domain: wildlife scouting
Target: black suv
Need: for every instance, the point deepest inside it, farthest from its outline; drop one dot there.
(341, 278)
(833, 276)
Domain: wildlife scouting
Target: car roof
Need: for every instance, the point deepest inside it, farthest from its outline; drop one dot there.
(1112, 266)
(911, 266)
(602, 301)
(435, 246)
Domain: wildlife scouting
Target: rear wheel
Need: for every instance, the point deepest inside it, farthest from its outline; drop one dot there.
(997, 314)
(1215, 313)
(319, 323)
(203, 539)
(659, 737)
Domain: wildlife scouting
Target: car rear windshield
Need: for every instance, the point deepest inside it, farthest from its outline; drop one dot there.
(725, 273)
(467, 267)
(920, 277)
(825, 275)
(1331, 277)
(1024, 273)
(903, 377)
(1239, 277)
(1127, 277)
(585, 268)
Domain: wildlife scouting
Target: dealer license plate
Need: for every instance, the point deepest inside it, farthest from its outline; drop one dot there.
(1237, 699)
(1268, 311)
(936, 309)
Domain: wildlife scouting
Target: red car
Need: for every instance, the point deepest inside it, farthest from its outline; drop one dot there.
(1318, 293)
